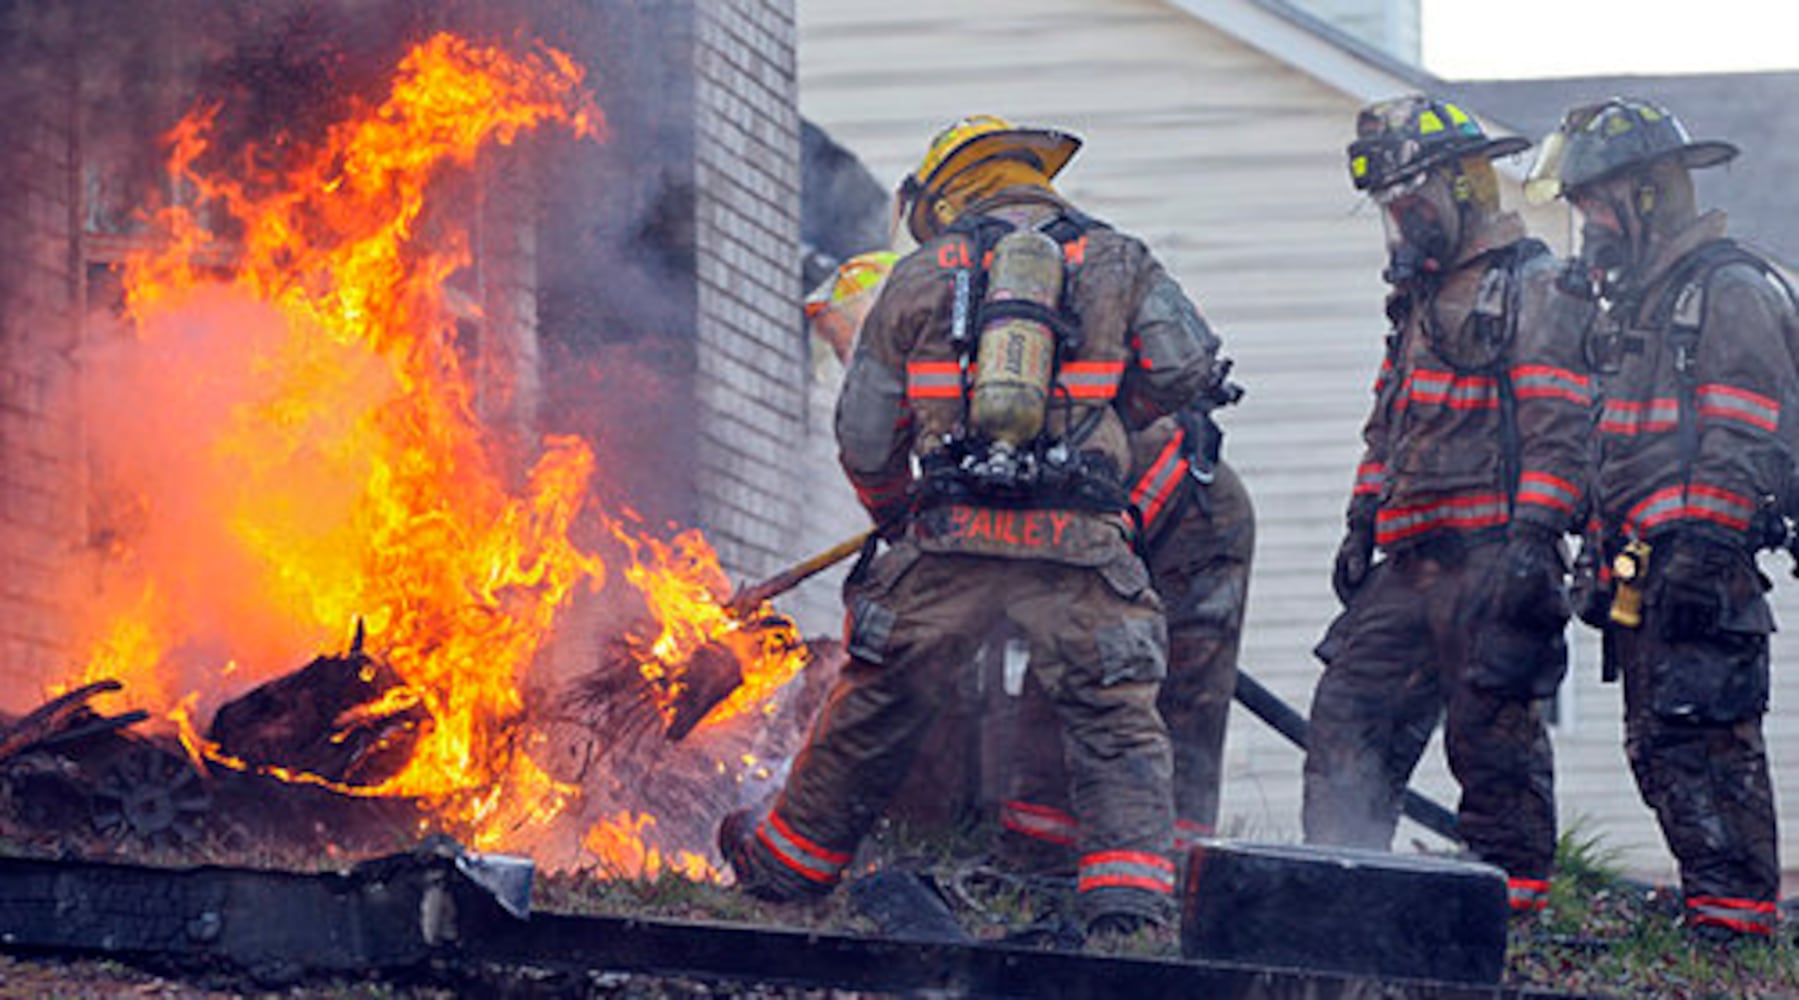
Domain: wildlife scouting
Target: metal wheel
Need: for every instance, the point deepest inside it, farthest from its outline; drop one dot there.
(152, 795)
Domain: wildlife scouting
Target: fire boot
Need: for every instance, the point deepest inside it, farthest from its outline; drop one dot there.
(758, 873)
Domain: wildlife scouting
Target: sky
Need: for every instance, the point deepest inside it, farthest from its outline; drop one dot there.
(1483, 39)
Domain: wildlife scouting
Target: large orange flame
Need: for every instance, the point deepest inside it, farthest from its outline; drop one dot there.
(308, 452)
(343, 472)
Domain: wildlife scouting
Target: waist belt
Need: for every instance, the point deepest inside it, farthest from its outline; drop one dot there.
(1024, 481)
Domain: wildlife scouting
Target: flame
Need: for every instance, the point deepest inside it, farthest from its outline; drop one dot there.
(334, 462)
(622, 844)
(681, 583)
(301, 446)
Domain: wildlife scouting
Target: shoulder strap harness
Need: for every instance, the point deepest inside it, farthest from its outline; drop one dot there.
(1680, 315)
(1491, 326)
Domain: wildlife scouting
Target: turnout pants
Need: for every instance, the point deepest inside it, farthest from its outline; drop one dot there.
(1399, 658)
(1201, 571)
(1693, 734)
(1098, 646)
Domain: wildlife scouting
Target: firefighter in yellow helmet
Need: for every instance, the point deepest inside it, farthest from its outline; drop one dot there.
(836, 308)
(1474, 468)
(1693, 356)
(984, 422)
(1197, 529)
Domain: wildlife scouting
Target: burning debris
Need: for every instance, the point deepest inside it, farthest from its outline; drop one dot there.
(348, 720)
(306, 413)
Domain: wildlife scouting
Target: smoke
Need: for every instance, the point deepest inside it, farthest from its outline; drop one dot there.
(844, 209)
(182, 467)
(584, 254)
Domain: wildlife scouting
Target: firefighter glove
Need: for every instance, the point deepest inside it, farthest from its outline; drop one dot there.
(1530, 590)
(891, 520)
(1354, 557)
(1689, 593)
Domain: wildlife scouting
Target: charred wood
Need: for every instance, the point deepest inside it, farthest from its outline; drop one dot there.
(336, 718)
(422, 914)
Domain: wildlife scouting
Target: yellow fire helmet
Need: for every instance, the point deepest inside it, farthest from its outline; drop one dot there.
(968, 143)
(835, 308)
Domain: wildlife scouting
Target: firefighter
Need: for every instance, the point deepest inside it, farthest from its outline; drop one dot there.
(1693, 356)
(1473, 469)
(983, 422)
(1197, 530)
(835, 309)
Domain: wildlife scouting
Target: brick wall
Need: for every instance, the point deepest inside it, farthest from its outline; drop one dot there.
(751, 383)
(40, 285)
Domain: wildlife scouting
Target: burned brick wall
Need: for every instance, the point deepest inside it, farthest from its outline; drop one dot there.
(41, 475)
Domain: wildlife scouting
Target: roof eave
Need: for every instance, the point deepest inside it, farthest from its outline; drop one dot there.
(1328, 54)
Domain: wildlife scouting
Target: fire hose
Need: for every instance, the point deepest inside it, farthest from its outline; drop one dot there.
(1283, 719)
(1250, 693)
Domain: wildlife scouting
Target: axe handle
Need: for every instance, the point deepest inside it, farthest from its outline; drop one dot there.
(1268, 706)
(751, 597)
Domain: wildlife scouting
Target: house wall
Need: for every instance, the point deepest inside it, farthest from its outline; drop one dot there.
(41, 482)
(1230, 164)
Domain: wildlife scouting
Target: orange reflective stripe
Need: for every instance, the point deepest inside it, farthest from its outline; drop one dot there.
(1151, 494)
(1548, 382)
(1527, 894)
(1726, 507)
(1547, 490)
(1630, 417)
(1750, 916)
(933, 380)
(1370, 478)
(1699, 502)
(1108, 368)
(1090, 379)
(1126, 869)
(1727, 402)
(1456, 392)
(1077, 391)
(1461, 513)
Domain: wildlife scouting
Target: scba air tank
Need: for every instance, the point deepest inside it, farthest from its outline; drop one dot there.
(1017, 355)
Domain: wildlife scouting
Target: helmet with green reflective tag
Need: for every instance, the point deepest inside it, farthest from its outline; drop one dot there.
(1399, 139)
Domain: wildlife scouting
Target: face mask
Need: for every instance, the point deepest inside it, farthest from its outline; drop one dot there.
(1605, 247)
(1422, 226)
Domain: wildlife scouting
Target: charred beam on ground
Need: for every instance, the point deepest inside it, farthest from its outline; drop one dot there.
(420, 914)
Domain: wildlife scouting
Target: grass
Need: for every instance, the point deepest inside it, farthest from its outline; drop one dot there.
(1607, 935)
